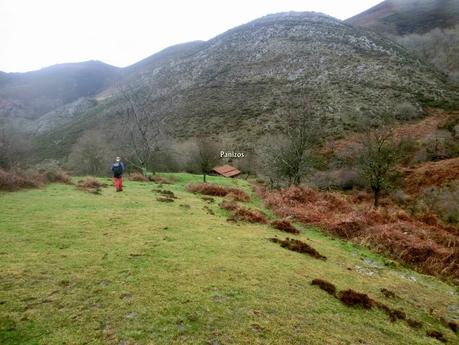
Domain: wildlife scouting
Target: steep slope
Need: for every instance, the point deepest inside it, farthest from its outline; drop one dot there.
(33, 94)
(429, 28)
(245, 81)
(173, 52)
(401, 17)
(251, 75)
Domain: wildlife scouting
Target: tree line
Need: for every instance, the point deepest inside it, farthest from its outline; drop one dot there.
(286, 158)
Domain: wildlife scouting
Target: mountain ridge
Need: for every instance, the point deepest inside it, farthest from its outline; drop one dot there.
(243, 82)
(30, 95)
(399, 17)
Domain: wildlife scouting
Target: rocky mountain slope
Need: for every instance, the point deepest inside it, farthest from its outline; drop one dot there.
(429, 28)
(245, 81)
(401, 17)
(33, 94)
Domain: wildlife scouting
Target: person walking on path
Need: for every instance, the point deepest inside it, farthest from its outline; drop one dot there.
(118, 170)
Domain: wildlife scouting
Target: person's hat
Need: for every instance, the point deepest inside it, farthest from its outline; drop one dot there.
(118, 159)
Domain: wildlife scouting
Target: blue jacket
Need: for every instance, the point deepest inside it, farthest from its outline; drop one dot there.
(117, 172)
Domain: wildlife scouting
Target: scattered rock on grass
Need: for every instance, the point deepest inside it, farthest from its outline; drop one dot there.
(131, 315)
(181, 327)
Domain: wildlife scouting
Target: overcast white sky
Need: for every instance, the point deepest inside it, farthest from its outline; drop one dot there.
(39, 33)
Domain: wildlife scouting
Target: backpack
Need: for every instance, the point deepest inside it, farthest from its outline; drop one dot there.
(117, 169)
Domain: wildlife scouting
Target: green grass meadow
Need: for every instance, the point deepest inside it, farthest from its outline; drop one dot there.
(124, 268)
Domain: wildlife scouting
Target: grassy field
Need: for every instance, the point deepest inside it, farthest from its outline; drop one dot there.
(123, 268)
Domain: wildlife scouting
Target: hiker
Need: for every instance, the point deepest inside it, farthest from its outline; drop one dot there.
(118, 170)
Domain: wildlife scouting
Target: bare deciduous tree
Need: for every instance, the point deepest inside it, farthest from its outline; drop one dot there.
(206, 155)
(144, 128)
(91, 154)
(13, 146)
(378, 157)
(291, 155)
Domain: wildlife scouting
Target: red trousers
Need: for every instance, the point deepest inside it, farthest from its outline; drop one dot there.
(118, 183)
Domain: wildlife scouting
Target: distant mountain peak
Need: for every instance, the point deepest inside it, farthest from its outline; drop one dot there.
(401, 17)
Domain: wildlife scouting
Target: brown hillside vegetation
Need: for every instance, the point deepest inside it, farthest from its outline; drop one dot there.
(431, 248)
(17, 179)
(434, 124)
(430, 174)
(216, 190)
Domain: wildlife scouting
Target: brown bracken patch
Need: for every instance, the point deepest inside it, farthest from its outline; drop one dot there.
(161, 179)
(284, 225)
(427, 245)
(90, 184)
(136, 176)
(326, 286)
(413, 323)
(216, 190)
(353, 298)
(299, 247)
(437, 335)
(248, 215)
(229, 204)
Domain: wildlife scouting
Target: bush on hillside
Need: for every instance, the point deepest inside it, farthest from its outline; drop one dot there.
(284, 225)
(248, 215)
(52, 172)
(343, 179)
(90, 184)
(16, 179)
(443, 201)
(406, 111)
(135, 176)
(161, 179)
